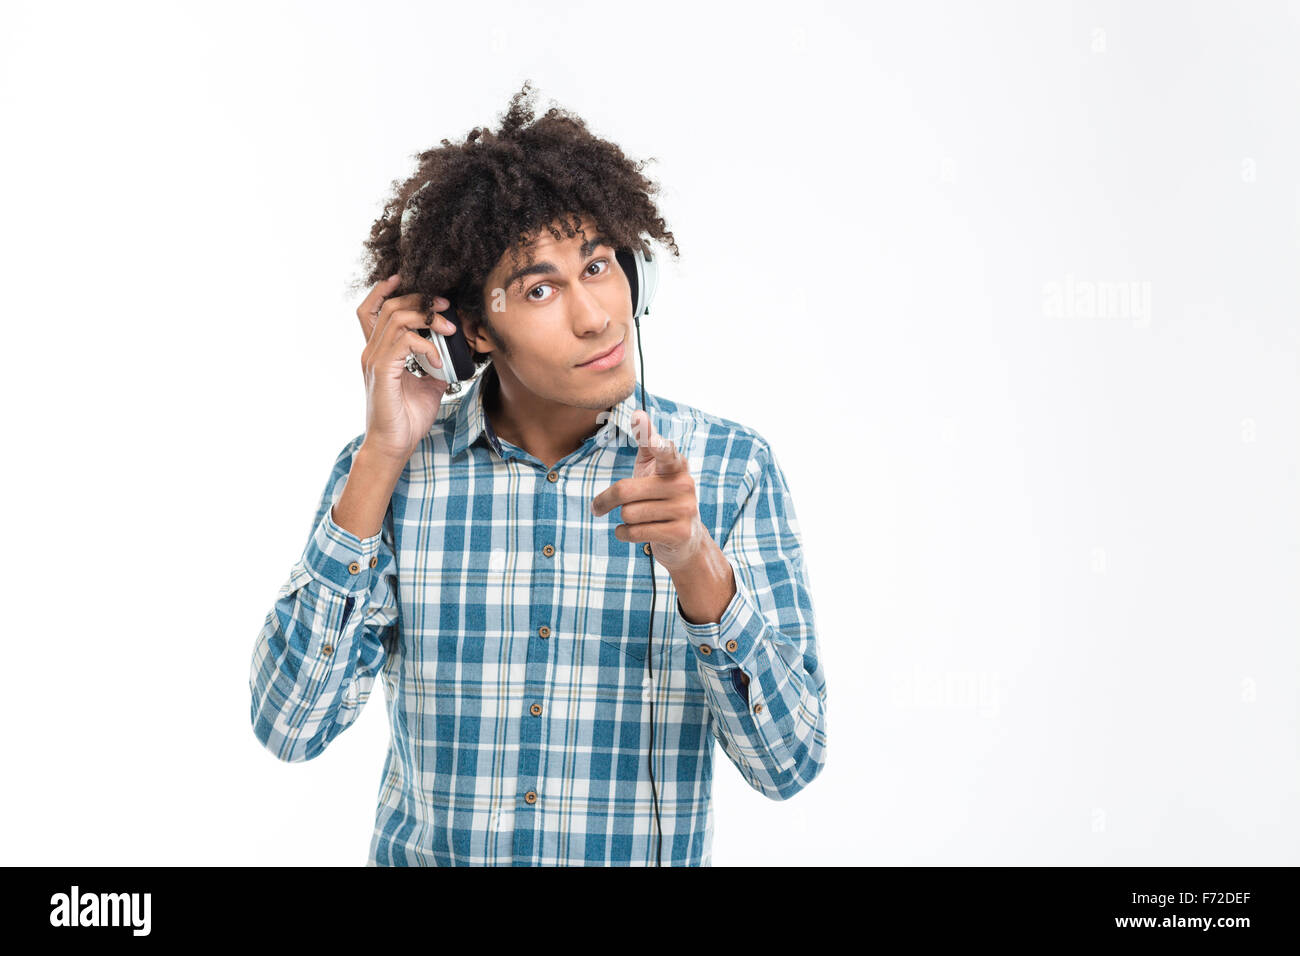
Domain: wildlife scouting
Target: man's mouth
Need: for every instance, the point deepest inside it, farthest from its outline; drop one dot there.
(606, 359)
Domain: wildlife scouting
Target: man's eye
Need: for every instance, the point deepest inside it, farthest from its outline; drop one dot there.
(546, 285)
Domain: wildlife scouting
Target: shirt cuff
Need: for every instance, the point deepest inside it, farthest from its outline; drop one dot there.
(339, 557)
(730, 641)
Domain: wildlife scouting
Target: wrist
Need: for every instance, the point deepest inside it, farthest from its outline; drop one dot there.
(375, 462)
(361, 508)
(705, 585)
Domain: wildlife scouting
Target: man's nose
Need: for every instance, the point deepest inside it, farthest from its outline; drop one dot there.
(588, 313)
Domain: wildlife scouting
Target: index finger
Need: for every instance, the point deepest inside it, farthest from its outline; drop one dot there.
(380, 304)
(368, 310)
(669, 457)
(653, 446)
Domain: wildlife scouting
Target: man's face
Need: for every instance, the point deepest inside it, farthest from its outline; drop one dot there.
(567, 301)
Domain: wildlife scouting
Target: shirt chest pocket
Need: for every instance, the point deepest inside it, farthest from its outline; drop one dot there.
(610, 599)
(490, 577)
(480, 598)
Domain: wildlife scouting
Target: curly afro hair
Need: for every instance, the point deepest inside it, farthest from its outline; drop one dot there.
(473, 201)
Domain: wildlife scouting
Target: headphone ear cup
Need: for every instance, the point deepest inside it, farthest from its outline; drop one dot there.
(453, 349)
(627, 261)
(642, 270)
(649, 278)
(462, 359)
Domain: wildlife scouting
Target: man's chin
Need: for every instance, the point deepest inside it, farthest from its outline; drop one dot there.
(611, 392)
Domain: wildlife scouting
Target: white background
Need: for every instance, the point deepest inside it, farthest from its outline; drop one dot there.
(1053, 549)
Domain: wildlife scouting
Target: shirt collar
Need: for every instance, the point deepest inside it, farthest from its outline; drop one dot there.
(471, 421)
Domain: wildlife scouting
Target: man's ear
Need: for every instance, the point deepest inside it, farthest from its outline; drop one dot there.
(473, 331)
(469, 325)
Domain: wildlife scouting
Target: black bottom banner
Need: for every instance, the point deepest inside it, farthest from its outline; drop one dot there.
(974, 905)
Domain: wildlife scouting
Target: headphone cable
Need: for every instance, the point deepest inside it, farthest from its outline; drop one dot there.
(650, 635)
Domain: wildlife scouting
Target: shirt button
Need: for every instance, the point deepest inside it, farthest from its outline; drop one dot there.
(646, 547)
(354, 568)
(374, 561)
(548, 550)
(543, 631)
(732, 645)
(530, 796)
(327, 649)
(706, 650)
(535, 710)
(553, 477)
(758, 708)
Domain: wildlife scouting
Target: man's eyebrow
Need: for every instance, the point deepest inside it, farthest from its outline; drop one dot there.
(590, 245)
(546, 268)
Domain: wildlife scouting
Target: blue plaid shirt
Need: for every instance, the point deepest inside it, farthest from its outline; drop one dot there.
(509, 627)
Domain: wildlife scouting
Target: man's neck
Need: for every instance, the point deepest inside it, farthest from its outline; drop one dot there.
(546, 430)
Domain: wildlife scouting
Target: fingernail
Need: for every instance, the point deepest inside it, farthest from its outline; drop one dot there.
(394, 278)
(441, 303)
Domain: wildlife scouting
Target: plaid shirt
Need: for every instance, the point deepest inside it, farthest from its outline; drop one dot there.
(509, 627)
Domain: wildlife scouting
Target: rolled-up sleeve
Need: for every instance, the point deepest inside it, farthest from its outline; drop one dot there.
(326, 637)
(759, 662)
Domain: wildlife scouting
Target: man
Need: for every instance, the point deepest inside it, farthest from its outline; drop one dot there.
(551, 701)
